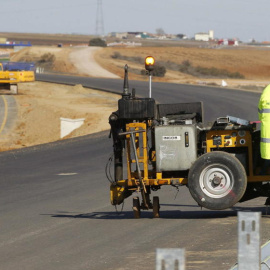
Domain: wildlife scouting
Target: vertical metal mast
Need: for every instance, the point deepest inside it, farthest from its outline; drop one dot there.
(99, 19)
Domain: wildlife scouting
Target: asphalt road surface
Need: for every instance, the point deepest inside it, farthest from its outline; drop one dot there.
(56, 213)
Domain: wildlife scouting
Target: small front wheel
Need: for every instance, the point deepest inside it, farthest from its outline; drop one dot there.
(156, 207)
(217, 180)
(136, 207)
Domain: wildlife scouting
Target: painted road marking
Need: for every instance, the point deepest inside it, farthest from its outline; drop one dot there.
(65, 174)
(5, 114)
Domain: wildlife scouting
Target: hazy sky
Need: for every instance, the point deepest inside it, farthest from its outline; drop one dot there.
(245, 19)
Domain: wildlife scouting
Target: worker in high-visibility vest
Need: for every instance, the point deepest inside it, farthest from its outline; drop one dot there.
(264, 116)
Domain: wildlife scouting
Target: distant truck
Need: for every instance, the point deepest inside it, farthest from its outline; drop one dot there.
(12, 73)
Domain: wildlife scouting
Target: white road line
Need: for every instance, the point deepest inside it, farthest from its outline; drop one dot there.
(66, 174)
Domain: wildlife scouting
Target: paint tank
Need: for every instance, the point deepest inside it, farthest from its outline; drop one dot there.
(176, 147)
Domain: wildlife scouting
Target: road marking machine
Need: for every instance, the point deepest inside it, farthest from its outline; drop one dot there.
(168, 144)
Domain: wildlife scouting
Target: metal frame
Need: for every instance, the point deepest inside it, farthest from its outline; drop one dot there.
(152, 179)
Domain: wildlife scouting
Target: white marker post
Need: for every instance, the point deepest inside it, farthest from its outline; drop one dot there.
(150, 85)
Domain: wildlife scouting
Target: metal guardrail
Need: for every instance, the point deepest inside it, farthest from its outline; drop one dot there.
(265, 258)
(250, 255)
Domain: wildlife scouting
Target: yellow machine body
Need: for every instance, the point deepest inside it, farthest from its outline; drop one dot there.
(16, 76)
(9, 79)
(236, 138)
(227, 140)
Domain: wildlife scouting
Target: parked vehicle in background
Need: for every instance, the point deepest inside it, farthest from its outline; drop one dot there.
(12, 73)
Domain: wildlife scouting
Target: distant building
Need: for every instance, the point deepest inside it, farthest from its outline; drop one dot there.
(205, 36)
(228, 42)
(121, 35)
(138, 35)
(129, 35)
(124, 44)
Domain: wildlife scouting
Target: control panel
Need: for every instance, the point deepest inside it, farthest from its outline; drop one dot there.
(227, 138)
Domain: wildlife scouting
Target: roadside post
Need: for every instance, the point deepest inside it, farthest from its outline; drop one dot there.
(170, 259)
(249, 241)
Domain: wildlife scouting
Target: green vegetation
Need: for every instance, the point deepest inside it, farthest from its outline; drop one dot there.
(198, 71)
(134, 59)
(98, 42)
(159, 70)
(46, 61)
(47, 58)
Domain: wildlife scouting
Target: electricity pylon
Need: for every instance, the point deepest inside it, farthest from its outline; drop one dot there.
(99, 19)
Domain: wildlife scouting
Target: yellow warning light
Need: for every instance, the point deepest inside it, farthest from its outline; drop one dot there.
(149, 63)
(149, 60)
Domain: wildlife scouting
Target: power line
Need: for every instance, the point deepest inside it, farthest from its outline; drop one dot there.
(99, 19)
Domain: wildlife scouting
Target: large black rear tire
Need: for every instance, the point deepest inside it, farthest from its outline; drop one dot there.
(217, 180)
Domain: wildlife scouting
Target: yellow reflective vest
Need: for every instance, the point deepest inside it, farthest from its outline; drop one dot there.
(264, 116)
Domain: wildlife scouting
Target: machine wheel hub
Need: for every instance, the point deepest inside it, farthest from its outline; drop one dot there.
(216, 180)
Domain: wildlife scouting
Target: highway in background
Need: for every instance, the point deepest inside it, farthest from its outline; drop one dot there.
(56, 213)
(217, 101)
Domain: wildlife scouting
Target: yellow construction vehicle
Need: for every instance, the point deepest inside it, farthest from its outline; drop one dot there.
(12, 73)
(167, 144)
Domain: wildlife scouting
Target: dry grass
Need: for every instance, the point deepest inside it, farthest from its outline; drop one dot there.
(253, 64)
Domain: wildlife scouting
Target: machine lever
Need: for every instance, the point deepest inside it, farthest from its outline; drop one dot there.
(142, 185)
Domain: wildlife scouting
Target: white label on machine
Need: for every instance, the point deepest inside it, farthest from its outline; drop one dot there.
(171, 138)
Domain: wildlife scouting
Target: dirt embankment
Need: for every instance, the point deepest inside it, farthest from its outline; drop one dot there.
(41, 105)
